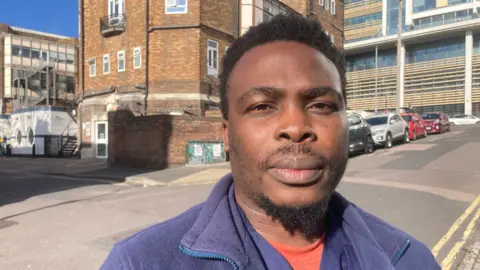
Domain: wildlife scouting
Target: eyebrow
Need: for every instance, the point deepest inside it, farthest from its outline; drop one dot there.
(277, 93)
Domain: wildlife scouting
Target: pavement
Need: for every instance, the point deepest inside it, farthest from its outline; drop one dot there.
(68, 213)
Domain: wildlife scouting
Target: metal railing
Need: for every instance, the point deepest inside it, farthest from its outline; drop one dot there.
(115, 22)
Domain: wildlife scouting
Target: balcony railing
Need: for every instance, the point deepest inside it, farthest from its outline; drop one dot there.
(112, 24)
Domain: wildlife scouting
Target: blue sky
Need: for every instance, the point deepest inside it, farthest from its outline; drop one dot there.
(53, 16)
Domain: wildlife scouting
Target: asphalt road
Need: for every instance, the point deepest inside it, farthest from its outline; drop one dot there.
(55, 222)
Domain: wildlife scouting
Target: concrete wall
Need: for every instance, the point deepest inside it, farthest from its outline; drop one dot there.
(157, 141)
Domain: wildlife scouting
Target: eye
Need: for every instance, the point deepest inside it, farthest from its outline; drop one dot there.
(261, 108)
(322, 107)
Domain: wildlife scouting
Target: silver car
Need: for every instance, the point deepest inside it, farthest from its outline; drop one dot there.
(388, 128)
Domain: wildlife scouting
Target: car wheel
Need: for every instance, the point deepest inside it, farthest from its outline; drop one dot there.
(478, 123)
(388, 141)
(425, 133)
(369, 145)
(406, 137)
(414, 136)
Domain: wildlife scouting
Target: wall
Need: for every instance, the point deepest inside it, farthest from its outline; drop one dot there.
(156, 141)
(96, 46)
(44, 122)
(333, 24)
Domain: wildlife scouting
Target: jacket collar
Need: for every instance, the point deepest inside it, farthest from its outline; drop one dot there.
(216, 233)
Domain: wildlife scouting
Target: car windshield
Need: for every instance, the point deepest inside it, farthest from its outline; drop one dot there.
(431, 116)
(375, 121)
(407, 118)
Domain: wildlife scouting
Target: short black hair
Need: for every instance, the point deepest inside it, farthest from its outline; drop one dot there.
(291, 27)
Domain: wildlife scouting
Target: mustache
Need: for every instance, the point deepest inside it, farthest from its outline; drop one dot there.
(293, 150)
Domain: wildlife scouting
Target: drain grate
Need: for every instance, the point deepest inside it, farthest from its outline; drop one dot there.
(6, 223)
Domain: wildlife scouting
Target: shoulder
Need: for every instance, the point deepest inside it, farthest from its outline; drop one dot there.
(154, 246)
(412, 253)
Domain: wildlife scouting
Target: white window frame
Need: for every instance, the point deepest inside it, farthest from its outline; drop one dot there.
(333, 8)
(211, 70)
(92, 67)
(321, 2)
(137, 52)
(327, 5)
(111, 3)
(106, 60)
(332, 38)
(173, 4)
(121, 56)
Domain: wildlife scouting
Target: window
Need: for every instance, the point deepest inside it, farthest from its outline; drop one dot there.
(62, 58)
(137, 58)
(116, 7)
(19, 137)
(44, 56)
(333, 8)
(321, 2)
(121, 61)
(332, 38)
(35, 54)
(26, 52)
(327, 4)
(70, 59)
(175, 6)
(92, 67)
(106, 64)
(30, 136)
(16, 50)
(212, 55)
(53, 57)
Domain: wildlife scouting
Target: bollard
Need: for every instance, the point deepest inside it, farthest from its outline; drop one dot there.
(33, 150)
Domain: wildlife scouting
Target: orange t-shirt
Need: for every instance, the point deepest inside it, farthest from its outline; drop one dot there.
(305, 258)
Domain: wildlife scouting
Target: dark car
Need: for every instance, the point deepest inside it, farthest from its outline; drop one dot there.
(359, 134)
(436, 122)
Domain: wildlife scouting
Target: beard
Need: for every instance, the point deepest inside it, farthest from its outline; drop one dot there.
(306, 218)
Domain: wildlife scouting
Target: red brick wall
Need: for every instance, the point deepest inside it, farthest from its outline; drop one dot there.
(97, 45)
(157, 141)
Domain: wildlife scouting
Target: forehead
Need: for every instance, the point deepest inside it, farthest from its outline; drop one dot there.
(285, 65)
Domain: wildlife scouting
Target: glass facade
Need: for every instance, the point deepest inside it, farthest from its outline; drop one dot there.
(392, 17)
(435, 50)
(31, 53)
(363, 19)
(442, 19)
(367, 60)
(424, 5)
(267, 9)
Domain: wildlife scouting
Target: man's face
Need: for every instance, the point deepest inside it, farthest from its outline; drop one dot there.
(287, 129)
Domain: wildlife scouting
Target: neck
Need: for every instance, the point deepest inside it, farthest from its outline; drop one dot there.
(273, 230)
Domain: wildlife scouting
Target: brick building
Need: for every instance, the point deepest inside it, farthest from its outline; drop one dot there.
(163, 56)
(26, 57)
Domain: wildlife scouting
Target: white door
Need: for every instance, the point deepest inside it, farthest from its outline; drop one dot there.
(101, 142)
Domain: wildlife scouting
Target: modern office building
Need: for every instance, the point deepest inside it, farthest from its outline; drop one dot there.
(439, 60)
(164, 56)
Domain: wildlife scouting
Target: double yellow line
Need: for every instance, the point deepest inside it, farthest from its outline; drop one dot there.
(448, 261)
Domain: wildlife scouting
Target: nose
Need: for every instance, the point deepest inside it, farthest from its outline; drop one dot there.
(294, 126)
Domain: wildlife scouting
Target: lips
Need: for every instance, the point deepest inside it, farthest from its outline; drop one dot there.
(297, 171)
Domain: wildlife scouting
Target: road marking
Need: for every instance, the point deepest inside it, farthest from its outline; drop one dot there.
(455, 227)
(448, 261)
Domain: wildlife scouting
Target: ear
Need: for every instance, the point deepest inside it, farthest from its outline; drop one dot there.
(226, 141)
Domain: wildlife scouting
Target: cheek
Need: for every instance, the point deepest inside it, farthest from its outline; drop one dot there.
(333, 135)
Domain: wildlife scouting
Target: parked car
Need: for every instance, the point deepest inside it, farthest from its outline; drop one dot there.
(464, 119)
(388, 128)
(436, 122)
(416, 125)
(359, 134)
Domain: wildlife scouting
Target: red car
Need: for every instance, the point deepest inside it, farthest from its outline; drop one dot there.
(416, 125)
(436, 122)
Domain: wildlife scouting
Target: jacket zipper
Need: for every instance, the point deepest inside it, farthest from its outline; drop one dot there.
(401, 252)
(208, 256)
